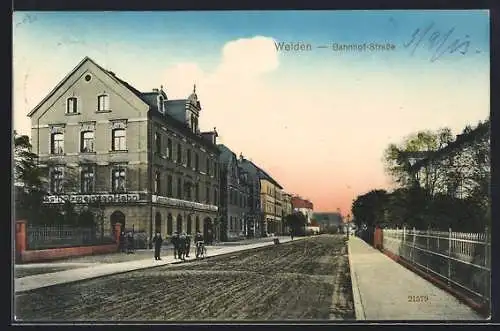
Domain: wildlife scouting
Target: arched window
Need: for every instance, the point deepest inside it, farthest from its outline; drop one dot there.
(103, 103)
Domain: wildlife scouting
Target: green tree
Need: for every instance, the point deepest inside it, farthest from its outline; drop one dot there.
(297, 222)
(370, 208)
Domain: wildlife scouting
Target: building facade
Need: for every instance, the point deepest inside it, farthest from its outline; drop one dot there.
(304, 206)
(254, 214)
(138, 155)
(325, 220)
(286, 210)
(235, 192)
(271, 204)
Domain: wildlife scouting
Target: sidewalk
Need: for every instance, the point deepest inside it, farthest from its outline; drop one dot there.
(95, 270)
(381, 289)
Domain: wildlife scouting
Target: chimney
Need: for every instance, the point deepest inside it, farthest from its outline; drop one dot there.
(155, 90)
(241, 156)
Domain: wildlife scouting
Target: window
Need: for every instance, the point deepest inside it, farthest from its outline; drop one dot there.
(169, 148)
(103, 103)
(119, 140)
(161, 105)
(87, 142)
(118, 178)
(87, 179)
(157, 182)
(56, 180)
(57, 143)
(72, 105)
(187, 190)
(189, 158)
(207, 195)
(197, 192)
(179, 188)
(169, 186)
(215, 197)
(179, 153)
(208, 166)
(196, 162)
(158, 142)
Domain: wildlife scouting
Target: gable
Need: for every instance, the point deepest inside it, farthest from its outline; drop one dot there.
(76, 84)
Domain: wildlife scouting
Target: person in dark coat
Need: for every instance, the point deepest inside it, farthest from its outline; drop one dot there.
(130, 243)
(157, 241)
(182, 246)
(122, 242)
(188, 244)
(291, 234)
(175, 243)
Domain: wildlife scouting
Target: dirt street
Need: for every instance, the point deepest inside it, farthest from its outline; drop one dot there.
(301, 280)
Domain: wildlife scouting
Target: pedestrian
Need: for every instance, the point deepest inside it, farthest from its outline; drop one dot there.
(122, 242)
(157, 241)
(175, 243)
(291, 234)
(188, 244)
(130, 243)
(182, 246)
(209, 236)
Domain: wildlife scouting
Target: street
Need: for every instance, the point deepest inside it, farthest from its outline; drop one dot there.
(306, 280)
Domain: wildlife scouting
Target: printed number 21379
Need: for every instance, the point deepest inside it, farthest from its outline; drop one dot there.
(418, 298)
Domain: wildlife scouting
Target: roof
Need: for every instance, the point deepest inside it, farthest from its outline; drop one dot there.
(481, 129)
(262, 174)
(226, 153)
(81, 63)
(170, 120)
(183, 128)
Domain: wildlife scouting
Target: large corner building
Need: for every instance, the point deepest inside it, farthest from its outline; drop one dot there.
(138, 155)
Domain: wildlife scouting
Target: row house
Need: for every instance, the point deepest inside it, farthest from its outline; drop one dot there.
(254, 216)
(304, 206)
(235, 194)
(137, 155)
(286, 210)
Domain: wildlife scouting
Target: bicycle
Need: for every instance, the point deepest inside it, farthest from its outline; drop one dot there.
(201, 250)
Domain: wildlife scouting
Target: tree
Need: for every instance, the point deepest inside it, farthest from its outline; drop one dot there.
(28, 180)
(398, 159)
(370, 208)
(297, 222)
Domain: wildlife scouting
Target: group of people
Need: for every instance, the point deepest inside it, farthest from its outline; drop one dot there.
(127, 242)
(181, 243)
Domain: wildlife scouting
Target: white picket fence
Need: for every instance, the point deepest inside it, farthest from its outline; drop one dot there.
(462, 259)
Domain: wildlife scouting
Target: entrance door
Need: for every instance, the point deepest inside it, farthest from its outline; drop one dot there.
(158, 222)
(117, 217)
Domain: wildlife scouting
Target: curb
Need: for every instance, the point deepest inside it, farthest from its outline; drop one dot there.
(481, 309)
(359, 310)
(145, 267)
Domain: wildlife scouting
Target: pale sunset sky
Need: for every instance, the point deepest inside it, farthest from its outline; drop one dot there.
(318, 121)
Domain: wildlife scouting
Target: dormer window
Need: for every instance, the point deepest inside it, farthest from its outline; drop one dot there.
(161, 105)
(72, 105)
(103, 102)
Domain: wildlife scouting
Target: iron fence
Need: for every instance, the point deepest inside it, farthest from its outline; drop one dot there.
(58, 236)
(461, 259)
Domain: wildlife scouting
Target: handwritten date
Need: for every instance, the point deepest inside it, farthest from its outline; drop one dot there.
(437, 42)
(418, 298)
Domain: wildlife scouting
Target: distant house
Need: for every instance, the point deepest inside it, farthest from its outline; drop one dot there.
(328, 219)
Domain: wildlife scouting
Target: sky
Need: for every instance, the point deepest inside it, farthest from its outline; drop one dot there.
(317, 120)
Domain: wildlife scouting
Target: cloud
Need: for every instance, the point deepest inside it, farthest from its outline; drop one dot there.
(249, 57)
